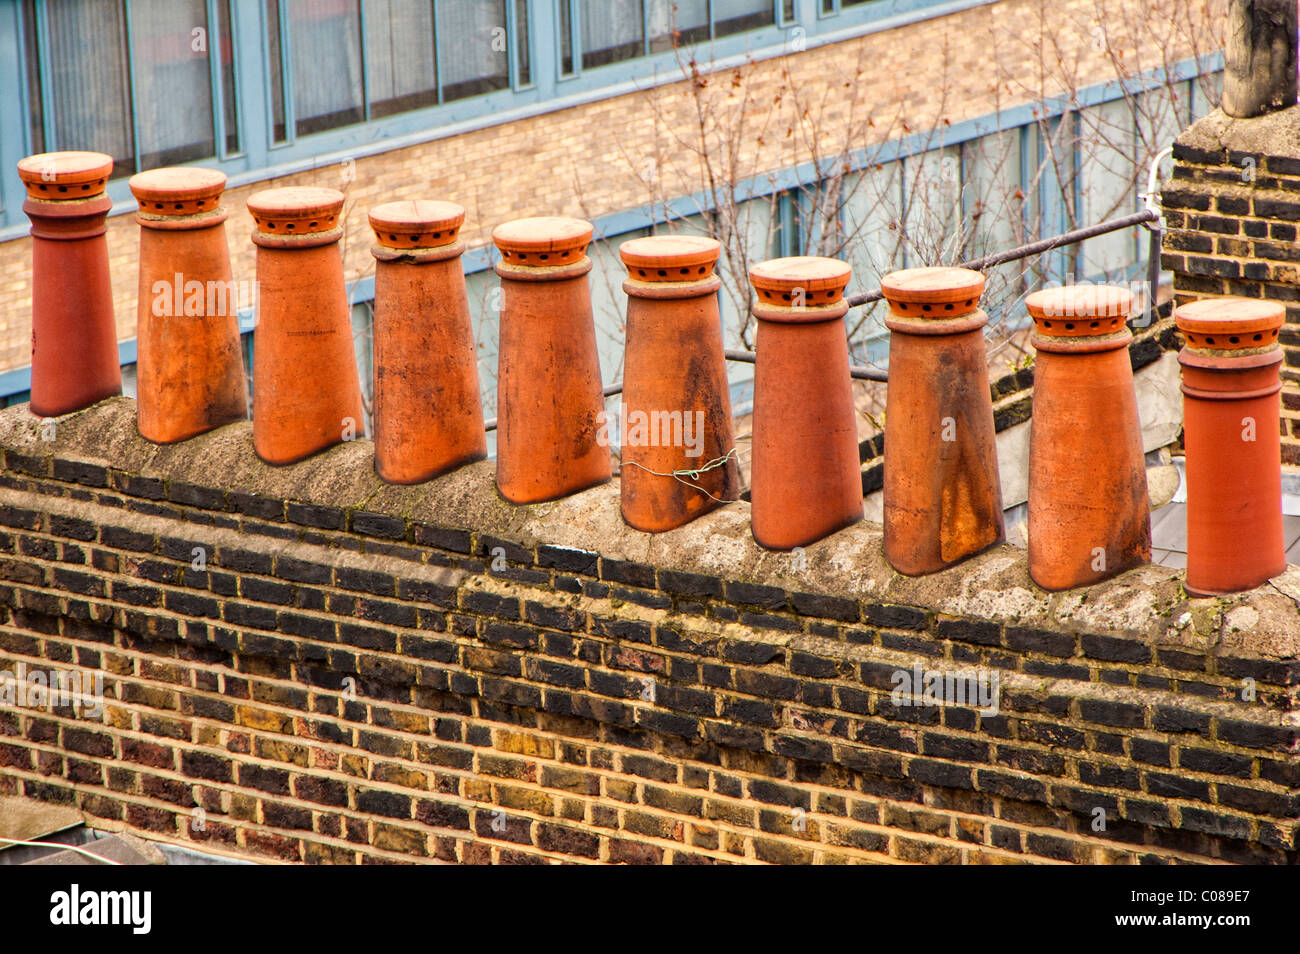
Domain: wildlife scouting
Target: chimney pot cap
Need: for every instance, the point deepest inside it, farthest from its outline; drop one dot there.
(670, 258)
(956, 290)
(1226, 324)
(161, 191)
(61, 176)
(543, 241)
(296, 210)
(417, 223)
(820, 280)
(1080, 311)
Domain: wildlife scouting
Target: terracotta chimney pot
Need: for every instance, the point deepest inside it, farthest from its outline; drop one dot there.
(428, 413)
(306, 391)
(1089, 515)
(806, 472)
(1231, 433)
(189, 368)
(550, 403)
(943, 494)
(674, 381)
(74, 336)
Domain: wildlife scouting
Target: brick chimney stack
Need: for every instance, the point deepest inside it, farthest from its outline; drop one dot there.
(1260, 57)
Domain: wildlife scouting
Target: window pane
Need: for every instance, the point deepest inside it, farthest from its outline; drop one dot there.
(472, 45)
(400, 55)
(566, 38)
(688, 18)
(173, 82)
(276, 65)
(32, 55)
(325, 49)
(611, 31)
(522, 43)
(735, 16)
(1106, 177)
(229, 95)
(89, 95)
(787, 11)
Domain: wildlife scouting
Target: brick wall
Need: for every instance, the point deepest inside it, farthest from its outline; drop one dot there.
(1231, 207)
(927, 75)
(364, 673)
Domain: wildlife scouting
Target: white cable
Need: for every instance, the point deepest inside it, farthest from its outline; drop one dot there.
(55, 844)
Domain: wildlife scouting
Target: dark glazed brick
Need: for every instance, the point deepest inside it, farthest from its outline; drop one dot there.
(755, 594)
(253, 505)
(192, 495)
(622, 571)
(80, 472)
(1043, 641)
(690, 584)
(378, 525)
(512, 552)
(826, 607)
(322, 518)
(1256, 736)
(441, 538)
(1112, 649)
(300, 571)
(894, 616)
(364, 581)
(969, 631)
(569, 560)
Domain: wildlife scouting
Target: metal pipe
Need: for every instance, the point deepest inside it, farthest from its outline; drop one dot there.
(1033, 248)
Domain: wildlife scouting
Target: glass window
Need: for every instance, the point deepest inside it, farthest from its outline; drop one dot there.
(736, 16)
(89, 91)
(524, 66)
(32, 53)
(1106, 175)
(472, 47)
(229, 91)
(173, 81)
(677, 23)
(566, 37)
(400, 55)
(612, 30)
(275, 63)
(325, 50)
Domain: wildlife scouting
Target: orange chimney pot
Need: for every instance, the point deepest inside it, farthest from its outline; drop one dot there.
(942, 493)
(1089, 513)
(74, 335)
(550, 403)
(806, 472)
(428, 413)
(677, 409)
(1231, 434)
(189, 368)
(306, 391)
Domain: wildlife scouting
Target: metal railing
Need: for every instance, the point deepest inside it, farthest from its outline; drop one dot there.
(1148, 216)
